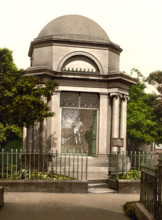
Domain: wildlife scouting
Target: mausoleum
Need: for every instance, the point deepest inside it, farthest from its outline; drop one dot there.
(90, 103)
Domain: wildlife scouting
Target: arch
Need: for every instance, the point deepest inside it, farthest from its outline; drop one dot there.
(81, 54)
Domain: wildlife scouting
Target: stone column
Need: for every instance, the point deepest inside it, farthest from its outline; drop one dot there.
(115, 117)
(24, 138)
(43, 136)
(123, 122)
(36, 136)
(30, 138)
(103, 124)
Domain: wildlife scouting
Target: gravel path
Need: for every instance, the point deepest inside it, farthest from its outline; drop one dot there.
(49, 206)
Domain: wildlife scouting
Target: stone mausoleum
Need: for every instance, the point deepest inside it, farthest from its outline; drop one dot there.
(90, 103)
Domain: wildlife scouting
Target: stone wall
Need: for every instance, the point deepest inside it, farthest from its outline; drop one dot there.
(59, 186)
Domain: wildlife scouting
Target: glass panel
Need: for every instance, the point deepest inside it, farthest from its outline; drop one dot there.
(79, 100)
(89, 100)
(69, 99)
(79, 130)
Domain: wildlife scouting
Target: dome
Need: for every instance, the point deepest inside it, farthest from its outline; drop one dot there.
(74, 27)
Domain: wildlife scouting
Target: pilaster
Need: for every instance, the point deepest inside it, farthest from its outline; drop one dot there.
(109, 115)
(56, 122)
(103, 118)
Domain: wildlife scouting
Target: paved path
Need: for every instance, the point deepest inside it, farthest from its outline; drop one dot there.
(50, 206)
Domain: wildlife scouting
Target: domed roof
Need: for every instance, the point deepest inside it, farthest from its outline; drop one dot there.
(74, 27)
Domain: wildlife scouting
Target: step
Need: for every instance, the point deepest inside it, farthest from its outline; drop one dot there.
(98, 185)
(97, 175)
(101, 190)
(97, 181)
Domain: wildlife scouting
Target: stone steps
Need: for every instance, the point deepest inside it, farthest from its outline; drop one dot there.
(97, 166)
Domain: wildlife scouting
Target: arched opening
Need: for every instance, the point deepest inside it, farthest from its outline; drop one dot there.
(80, 63)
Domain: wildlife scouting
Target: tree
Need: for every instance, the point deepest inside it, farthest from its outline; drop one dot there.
(142, 126)
(21, 97)
(155, 79)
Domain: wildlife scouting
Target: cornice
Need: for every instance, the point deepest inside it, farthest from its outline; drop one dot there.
(48, 41)
(111, 77)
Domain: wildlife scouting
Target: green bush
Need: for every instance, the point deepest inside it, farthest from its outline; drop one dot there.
(132, 175)
(25, 174)
(14, 144)
(129, 210)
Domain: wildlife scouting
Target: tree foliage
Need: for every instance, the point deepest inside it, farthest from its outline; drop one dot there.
(155, 79)
(142, 125)
(21, 97)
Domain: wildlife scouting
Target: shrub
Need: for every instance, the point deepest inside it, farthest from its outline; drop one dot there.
(129, 210)
(132, 175)
(14, 144)
(27, 174)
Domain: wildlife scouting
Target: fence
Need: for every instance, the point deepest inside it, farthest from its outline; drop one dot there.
(151, 188)
(43, 165)
(120, 164)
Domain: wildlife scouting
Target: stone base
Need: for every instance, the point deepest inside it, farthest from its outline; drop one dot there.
(129, 186)
(1, 196)
(59, 186)
(142, 213)
(125, 186)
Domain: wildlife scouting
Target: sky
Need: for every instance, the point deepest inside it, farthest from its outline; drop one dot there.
(136, 25)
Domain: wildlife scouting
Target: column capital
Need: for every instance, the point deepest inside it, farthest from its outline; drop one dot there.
(115, 94)
(125, 97)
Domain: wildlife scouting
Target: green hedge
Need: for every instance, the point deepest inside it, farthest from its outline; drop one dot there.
(14, 144)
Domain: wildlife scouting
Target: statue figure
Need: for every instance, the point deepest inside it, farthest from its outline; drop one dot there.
(78, 128)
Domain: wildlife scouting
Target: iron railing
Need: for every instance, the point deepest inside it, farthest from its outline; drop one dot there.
(120, 164)
(151, 187)
(43, 165)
